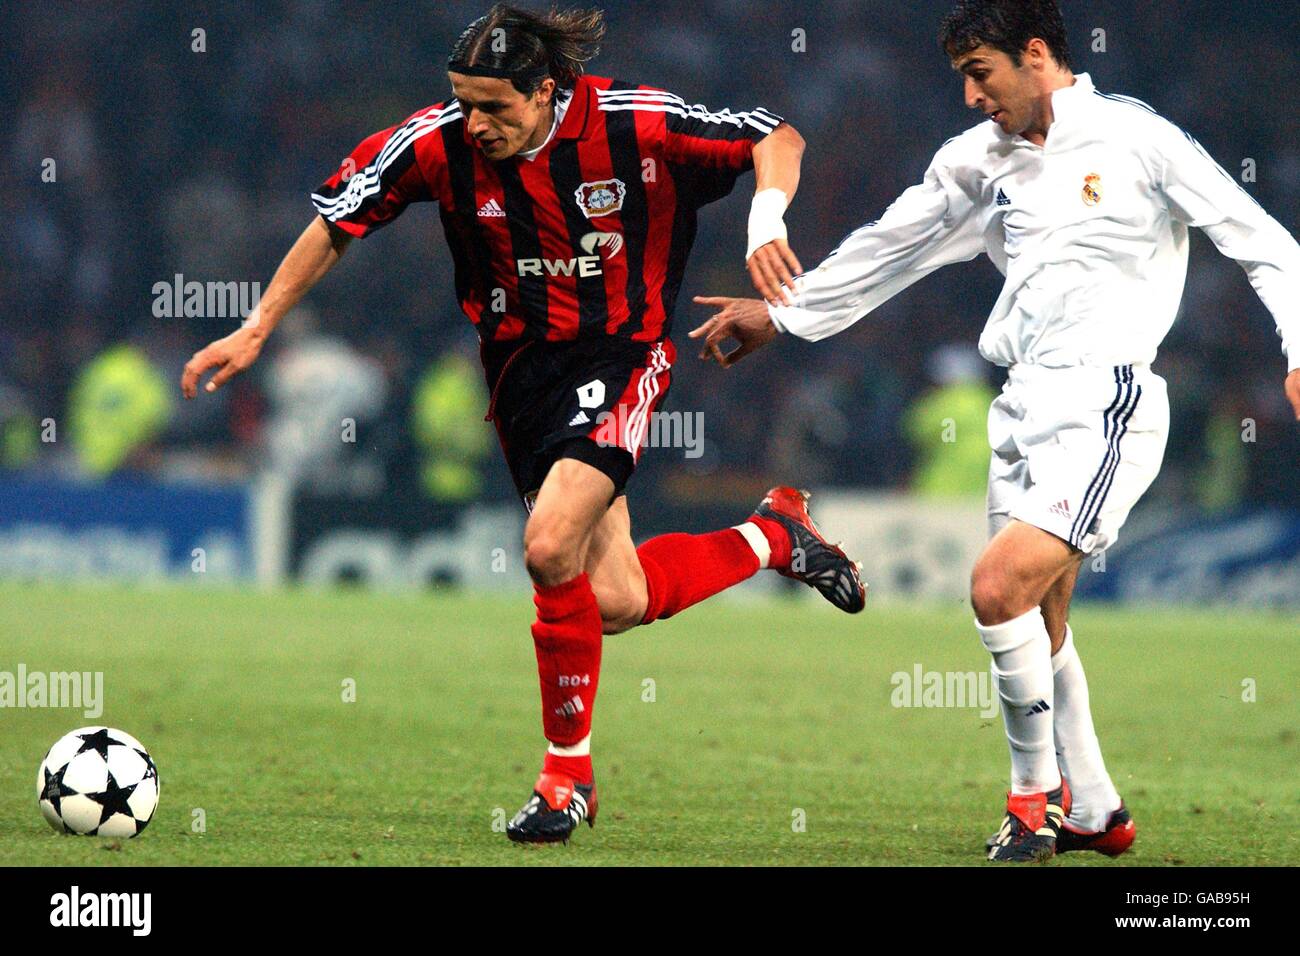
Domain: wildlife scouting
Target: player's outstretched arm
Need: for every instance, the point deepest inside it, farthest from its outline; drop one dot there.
(929, 226)
(726, 144)
(771, 262)
(1202, 193)
(313, 255)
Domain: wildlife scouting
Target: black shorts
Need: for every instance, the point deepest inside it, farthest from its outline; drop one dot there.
(588, 400)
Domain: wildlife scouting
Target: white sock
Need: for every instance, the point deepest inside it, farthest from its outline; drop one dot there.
(1022, 673)
(581, 749)
(757, 540)
(1077, 748)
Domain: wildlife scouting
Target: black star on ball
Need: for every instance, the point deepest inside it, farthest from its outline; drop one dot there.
(113, 800)
(99, 742)
(150, 771)
(54, 790)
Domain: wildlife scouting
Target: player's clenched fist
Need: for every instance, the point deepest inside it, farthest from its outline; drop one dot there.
(229, 356)
(745, 320)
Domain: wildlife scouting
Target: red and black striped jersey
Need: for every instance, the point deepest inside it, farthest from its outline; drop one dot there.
(589, 238)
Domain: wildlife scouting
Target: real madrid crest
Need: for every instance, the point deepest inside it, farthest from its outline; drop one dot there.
(1092, 189)
(600, 198)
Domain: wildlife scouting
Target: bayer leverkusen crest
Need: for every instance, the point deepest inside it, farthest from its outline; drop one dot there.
(600, 198)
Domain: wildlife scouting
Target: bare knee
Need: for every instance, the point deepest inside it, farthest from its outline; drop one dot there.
(995, 596)
(1017, 572)
(549, 556)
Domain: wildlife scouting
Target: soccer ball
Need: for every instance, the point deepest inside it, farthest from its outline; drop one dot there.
(97, 781)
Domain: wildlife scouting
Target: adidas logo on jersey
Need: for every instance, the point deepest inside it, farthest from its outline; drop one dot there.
(579, 419)
(1003, 199)
(491, 209)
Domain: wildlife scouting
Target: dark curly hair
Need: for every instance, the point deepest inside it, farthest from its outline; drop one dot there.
(1006, 25)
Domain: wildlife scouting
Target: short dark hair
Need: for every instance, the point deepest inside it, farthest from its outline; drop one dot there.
(532, 45)
(1006, 25)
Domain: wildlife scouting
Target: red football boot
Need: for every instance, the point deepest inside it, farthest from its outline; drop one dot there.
(553, 812)
(1112, 841)
(814, 560)
(1031, 827)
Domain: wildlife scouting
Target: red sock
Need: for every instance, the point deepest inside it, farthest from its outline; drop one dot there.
(684, 569)
(567, 638)
(579, 768)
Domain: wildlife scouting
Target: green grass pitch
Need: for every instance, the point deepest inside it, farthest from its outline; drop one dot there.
(763, 715)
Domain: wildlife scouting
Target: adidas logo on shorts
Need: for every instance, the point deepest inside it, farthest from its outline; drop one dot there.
(1062, 508)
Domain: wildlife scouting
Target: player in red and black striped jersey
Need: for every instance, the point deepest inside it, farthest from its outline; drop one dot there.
(569, 203)
(583, 237)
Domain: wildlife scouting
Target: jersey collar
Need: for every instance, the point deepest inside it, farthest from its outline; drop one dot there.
(576, 123)
(1070, 97)
(1065, 103)
(561, 110)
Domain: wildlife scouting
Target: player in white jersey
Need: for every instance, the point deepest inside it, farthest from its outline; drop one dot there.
(1083, 201)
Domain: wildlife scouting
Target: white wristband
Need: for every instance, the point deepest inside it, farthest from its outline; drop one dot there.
(765, 222)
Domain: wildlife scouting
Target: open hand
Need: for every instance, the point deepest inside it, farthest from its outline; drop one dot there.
(745, 320)
(229, 356)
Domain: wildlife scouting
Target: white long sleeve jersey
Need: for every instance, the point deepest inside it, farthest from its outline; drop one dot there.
(1090, 231)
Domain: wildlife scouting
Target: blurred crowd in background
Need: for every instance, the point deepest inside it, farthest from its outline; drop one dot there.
(170, 161)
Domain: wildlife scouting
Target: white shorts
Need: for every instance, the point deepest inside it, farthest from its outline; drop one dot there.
(1075, 448)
